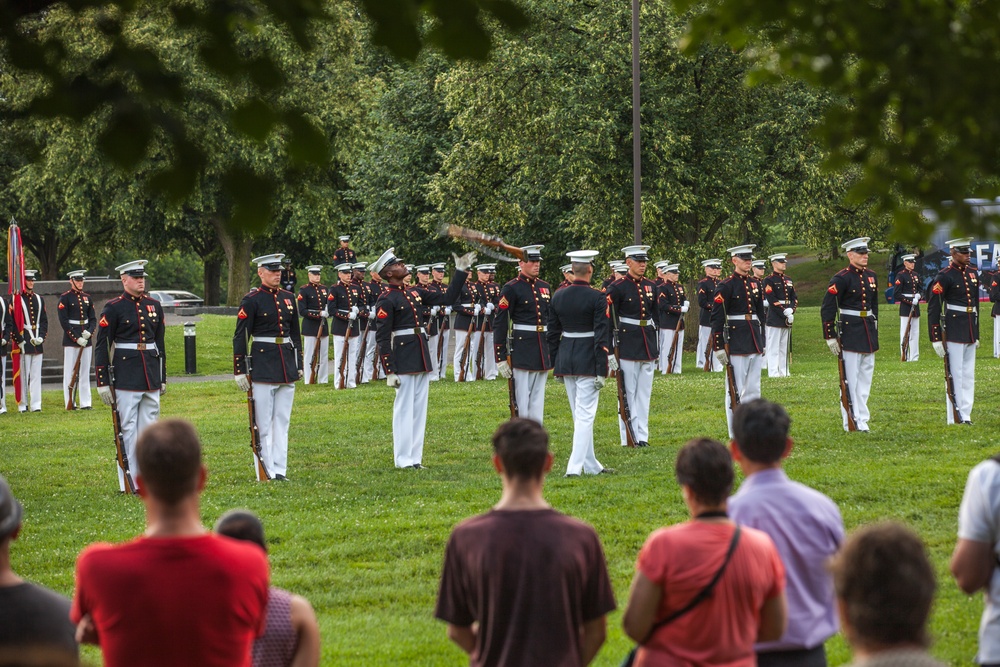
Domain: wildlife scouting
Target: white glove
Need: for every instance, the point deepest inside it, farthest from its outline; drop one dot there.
(392, 380)
(85, 335)
(105, 394)
(503, 368)
(489, 308)
(353, 314)
(917, 297)
(324, 313)
(465, 261)
(612, 363)
(559, 378)
(787, 312)
(938, 348)
(600, 381)
(447, 310)
(977, 343)
(435, 310)
(37, 341)
(243, 382)
(722, 356)
(302, 374)
(790, 318)
(685, 307)
(477, 310)
(163, 389)
(81, 341)
(3, 341)
(833, 345)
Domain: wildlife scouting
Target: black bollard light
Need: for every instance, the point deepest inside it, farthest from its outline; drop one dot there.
(190, 357)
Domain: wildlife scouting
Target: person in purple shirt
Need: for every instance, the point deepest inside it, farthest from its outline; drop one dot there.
(805, 525)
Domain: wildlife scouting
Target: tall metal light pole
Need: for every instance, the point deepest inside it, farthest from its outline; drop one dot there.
(636, 139)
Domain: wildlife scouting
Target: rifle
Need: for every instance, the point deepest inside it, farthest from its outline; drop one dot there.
(673, 344)
(624, 412)
(483, 240)
(314, 363)
(514, 412)
(707, 366)
(362, 351)
(342, 374)
(74, 383)
(258, 455)
(481, 350)
(442, 332)
(905, 345)
(465, 349)
(845, 392)
(949, 381)
(116, 425)
(734, 396)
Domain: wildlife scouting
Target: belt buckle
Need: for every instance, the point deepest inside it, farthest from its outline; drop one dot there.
(643, 323)
(863, 313)
(540, 327)
(279, 340)
(748, 317)
(970, 309)
(140, 347)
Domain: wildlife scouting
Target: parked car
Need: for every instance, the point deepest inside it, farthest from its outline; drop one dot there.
(174, 298)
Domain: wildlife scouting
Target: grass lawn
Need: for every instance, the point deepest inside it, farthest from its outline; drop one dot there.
(364, 542)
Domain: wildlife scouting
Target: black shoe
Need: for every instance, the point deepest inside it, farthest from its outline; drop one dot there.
(607, 471)
(86, 408)
(967, 422)
(417, 466)
(572, 474)
(642, 443)
(38, 410)
(280, 478)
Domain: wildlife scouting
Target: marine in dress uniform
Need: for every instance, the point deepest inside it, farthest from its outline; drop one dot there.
(906, 292)
(6, 340)
(288, 277)
(578, 338)
(267, 345)
(780, 303)
(706, 293)
(520, 325)
(493, 300)
(737, 317)
(30, 338)
(614, 264)
(429, 317)
(444, 323)
(344, 254)
(567, 274)
(366, 321)
(853, 295)
(403, 351)
(346, 304)
(758, 267)
(371, 370)
(313, 298)
(78, 321)
(131, 360)
(634, 312)
(953, 321)
(471, 321)
(995, 311)
(672, 303)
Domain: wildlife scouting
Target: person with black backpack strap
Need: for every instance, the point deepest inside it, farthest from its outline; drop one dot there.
(705, 590)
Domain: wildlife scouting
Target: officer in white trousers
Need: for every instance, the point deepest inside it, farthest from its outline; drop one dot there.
(672, 304)
(78, 321)
(440, 353)
(313, 298)
(578, 336)
(906, 292)
(780, 303)
(6, 331)
(30, 338)
(346, 305)
(705, 288)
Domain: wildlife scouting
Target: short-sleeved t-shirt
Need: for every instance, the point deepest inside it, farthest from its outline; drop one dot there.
(530, 578)
(174, 601)
(979, 521)
(721, 630)
(37, 619)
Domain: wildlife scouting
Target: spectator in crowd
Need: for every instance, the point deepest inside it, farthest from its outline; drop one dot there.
(885, 587)
(705, 590)
(974, 562)
(291, 634)
(34, 621)
(524, 585)
(804, 524)
(177, 595)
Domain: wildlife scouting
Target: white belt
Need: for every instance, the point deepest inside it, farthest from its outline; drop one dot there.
(855, 313)
(909, 296)
(638, 323)
(777, 303)
(82, 322)
(962, 309)
(529, 327)
(408, 331)
(136, 346)
(470, 306)
(578, 334)
(280, 340)
(742, 318)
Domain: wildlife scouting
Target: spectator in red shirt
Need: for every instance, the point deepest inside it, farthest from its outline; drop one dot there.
(178, 595)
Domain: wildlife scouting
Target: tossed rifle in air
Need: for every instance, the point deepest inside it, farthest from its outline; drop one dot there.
(116, 425)
(258, 455)
(362, 352)
(73, 395)
(624, 412)
(488, 244)
(904, 351)
(464, 361)
(949, 381)
(845, 392)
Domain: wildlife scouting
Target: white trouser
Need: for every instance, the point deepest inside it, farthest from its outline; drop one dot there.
(470, 362)
(704, 336)
(638, 388)
(409, 419)
(350, 370)
(323, 367)
(666, 340)
(776, 342)
(432, 349)
(3, 381)
(746, 369)
(962, 360)
(137, 410)
(372, 369)
(996, 337)
(913, 353)
(70, 355)
(583, 396)
(443, 365)
(273, 404)
(858, 369)
(31, 382)
(529, 390)
(490, 361)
